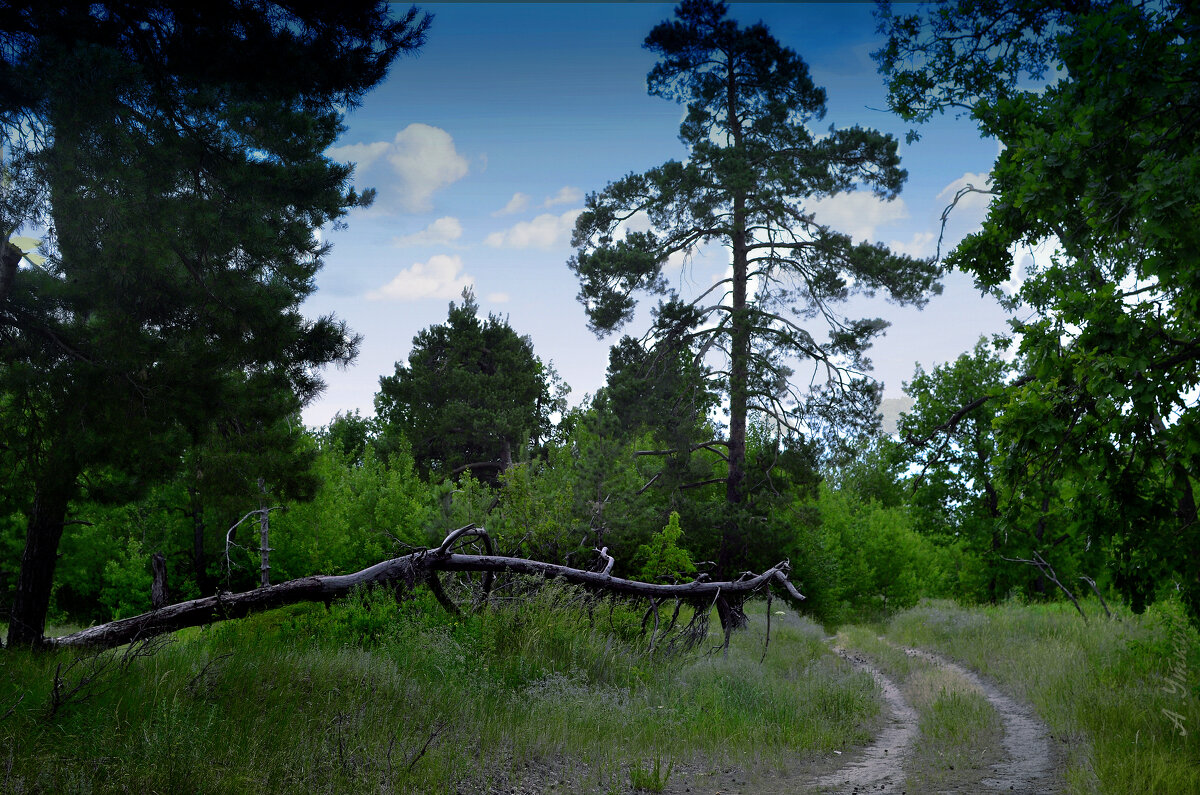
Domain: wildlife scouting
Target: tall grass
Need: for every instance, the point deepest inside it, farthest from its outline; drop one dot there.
(370, 695)
(1118, 694)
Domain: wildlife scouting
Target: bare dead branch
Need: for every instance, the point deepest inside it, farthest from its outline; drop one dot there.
(406, 571)
(1048, 572)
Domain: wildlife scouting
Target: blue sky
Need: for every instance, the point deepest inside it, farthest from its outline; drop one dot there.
(482, 146)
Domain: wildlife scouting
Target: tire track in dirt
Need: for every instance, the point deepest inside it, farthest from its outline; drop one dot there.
(881, 766)
(1030, 766)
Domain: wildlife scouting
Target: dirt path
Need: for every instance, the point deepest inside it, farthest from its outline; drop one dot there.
(1029, 767)
(880, 768)
(1023, 763)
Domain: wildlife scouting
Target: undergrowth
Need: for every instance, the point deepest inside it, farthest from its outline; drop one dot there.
(557, 691)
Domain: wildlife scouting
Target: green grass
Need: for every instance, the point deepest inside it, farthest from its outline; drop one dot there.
(375, 696)
(1103, 687)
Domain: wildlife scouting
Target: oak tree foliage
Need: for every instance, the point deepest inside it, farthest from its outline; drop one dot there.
(1096, 106)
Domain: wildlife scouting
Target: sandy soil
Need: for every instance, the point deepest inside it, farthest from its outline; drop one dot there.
(879, 767)
(1030, 764)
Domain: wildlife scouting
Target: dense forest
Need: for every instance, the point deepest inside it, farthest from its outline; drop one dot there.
(163, 179)
(154, 361)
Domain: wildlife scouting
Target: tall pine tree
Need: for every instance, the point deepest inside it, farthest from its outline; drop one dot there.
(752, 162)
(173, 155)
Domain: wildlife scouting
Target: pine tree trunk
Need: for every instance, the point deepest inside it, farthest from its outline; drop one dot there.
(10, 261)
(738, 374)
(160, 595)
(739, 353)
(739, 348)
(52, 496)
(199, 557)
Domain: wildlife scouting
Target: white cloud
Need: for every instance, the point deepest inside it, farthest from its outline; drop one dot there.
(440, 277)
(567, 195)
(922, 244)
(972, 200)
(443, 231)
(516, 204)
(638, 222)
(422, 157)
(362, 155)
(425, 159)
(545, 231)
(858, 213)
(498, 298)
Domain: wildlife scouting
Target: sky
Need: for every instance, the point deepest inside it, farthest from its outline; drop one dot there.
(482, 146)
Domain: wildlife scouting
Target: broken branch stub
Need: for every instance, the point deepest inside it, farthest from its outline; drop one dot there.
(423, 566)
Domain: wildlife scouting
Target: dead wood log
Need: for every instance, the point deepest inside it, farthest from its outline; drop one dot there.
(405, 572)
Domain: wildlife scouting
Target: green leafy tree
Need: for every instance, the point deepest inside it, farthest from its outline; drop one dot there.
(471, 396)
(876, 560)
(1100, 167)
(534, 517)
(173, 154)
(752, 161)
(364, 511)
(664, 559)
(955, 495)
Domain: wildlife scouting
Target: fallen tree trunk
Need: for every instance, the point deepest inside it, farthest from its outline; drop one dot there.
(405, 572)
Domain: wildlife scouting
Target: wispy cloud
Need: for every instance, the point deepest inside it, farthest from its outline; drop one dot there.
(422, 158)
(362, 155)
(498, 298)
(443, 231)
(516, 204)
(545, 231)
(566, 195)
(440, 277)
(858, 213)
(922, 244)
(975, 198)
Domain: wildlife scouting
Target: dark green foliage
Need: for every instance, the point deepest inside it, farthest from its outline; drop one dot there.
(173, 154)
(1102, 165)
(955, 495)
(473, 395)
(348, 435)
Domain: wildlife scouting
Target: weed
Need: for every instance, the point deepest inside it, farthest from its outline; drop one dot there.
(651, 779)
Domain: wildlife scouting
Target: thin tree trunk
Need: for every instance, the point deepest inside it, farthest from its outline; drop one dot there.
(52, 496)
(264, 534)
(739, 351)
(199, 556)
(506, 459)
(160, 595)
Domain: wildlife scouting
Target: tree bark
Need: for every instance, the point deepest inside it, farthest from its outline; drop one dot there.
(404, 572)
(739, 353)
(52, 496)
(10, 260)
(264, 534)
(159, 593)
(199, 558)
